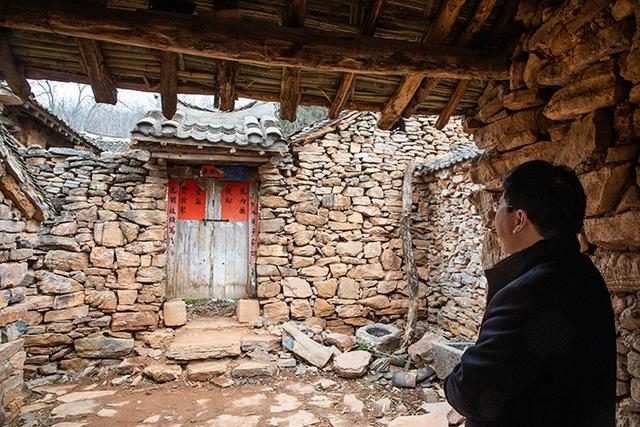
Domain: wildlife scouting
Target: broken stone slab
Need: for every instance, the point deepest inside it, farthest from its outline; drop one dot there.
(342, 341)
(253, 368)
(420, 351)
(621, 231)
(304, 347)
(162, 373)
(198, 344)
(352, 364)
(205, 371)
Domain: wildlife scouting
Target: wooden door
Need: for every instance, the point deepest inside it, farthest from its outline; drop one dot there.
(208, 257)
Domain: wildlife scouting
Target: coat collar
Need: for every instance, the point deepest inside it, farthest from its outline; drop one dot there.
(514, 266)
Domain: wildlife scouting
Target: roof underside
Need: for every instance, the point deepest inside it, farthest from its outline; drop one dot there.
(44, 55)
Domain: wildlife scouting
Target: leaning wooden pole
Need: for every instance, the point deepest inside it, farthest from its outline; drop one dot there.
(410, 269)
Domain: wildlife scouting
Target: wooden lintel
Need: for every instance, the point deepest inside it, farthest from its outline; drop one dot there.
(480, 16)
(264, 44)
(342, 95)
(11, 70)
(347, 82)
(452, 104)
(169, 83)
(399, 100)
(224, 158)
(91, 56)
(289, 93)
(226, 83)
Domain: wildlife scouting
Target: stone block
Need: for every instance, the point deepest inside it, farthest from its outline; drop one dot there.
(206, 370)
(108, 234)
(300, 309)
(367, 271)
(102, 300)
(252, 368)
(162, 373)
(102, 257)
(276, 313)
(352, 364)
(296, 287)
(323, 308)
(248, 311)
(51, 283)
(66, 261)
(348, 288)
(12, 274)
(326, 288)
(603, 187)
(67, 314)
(352, 249)
(68, 300)
(134, 321)
(175, 313)
(621, 231)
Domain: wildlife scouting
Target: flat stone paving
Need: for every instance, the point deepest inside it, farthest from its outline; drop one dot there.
(287, 400)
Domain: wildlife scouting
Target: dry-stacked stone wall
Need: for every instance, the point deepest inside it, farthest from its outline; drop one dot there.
(573, 99)
(329, 244)
(99, 266)
(17, 238)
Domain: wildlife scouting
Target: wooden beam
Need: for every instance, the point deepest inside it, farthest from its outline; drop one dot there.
(437, 34)
(372, 15)
(480, 16)
(226, 83)
(289, 93)
(230, 158)
(11, 70)
(342, 95)
(96, 69)
(264, 44)
(11, 189)
(453, 102)
(295, 14)
(441, 27)
(399, 100)
(411, 272)
(169, 83)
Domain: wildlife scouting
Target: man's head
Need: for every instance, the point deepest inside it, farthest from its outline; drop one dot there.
(539, 201)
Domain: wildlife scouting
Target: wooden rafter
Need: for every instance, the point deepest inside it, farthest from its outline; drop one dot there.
(398, 101)
(452, 104)
(169, 83)
(347, 82)
(226, 84)
(295, 14)
(289, 93)
(11, 70)
(480, 16)
(266, 44)
(97, 72)
(342, 95)
(408, 88)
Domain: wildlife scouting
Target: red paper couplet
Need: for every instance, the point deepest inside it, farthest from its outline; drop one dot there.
(235, 201)
(192, 201)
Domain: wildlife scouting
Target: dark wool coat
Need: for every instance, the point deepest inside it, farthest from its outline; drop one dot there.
(546, 352)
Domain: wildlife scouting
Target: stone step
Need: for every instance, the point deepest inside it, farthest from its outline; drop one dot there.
(217, 338)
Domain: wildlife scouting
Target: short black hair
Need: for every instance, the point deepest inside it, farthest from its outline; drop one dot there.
(552, 196)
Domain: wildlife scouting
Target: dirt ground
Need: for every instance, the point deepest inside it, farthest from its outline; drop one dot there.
(285, 400)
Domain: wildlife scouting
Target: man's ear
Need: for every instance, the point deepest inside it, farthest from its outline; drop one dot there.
(521, 220)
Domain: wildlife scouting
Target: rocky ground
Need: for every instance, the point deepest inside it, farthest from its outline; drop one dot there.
(291, 398)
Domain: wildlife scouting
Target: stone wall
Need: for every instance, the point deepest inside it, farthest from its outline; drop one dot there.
(17, 237)
(572, 99)
(330, 249)
(99, 266)
(448, 233)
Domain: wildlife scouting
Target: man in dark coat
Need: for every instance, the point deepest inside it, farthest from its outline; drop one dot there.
(545, 355)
